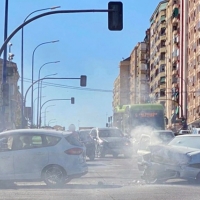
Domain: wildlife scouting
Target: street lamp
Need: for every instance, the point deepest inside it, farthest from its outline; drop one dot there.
(71, 99)
(45, 113)
(22, 59)
(83, 80)
(33, 73)
(34, 106)
(41, 83)
(40, 99)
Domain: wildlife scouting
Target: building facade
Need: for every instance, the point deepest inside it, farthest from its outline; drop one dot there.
(12, 117)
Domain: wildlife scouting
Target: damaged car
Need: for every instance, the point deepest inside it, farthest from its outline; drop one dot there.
(178, 159)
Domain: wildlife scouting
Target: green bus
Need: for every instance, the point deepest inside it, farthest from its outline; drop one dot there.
(128, 117)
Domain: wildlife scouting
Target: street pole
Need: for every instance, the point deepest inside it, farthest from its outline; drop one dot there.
(4, 71)
(40, 99)
(39, 90)
(32, 80)
(22, 60)
(45, 113)
(54, 100)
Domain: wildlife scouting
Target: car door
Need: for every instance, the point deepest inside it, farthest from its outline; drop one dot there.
(6, 158)
(30, 159)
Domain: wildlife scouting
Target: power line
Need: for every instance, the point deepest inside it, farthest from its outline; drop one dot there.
(69, 87)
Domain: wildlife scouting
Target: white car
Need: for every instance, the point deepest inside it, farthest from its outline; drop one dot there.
(54, 157)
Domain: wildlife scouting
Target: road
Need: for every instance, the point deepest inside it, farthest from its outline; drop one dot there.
(108, 178)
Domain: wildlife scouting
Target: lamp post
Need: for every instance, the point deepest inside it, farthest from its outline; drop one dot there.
(22, 58)
(72, 102)
(40, 99)
(34, 106)
(83, 83)
(41, 83)
(32, 80)
(45, 113)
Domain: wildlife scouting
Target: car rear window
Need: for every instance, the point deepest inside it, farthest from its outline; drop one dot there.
(73, 140)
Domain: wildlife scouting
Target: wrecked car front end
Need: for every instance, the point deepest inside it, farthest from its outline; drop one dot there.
(167, 162)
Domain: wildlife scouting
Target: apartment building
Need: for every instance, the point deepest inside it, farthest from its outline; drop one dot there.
(158, 54)
(133, 75)
(116, 92)
(12, 109)
(121, 91)
(173, 106)
(124, 81)
(193, 70)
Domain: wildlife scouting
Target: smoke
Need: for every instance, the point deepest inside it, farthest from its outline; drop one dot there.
(139, 130)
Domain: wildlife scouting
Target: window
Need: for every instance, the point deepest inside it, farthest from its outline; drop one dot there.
(162, 80)
(162, 43)
(162, 92)
(162, 56)
(162, 31)
(52, 140)
(162, 68)
(6, 143)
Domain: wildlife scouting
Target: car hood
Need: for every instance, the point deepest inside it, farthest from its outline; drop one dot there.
(172, 154)
(114, 139)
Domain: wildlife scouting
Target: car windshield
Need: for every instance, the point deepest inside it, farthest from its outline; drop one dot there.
(191, 142)
(110, 133)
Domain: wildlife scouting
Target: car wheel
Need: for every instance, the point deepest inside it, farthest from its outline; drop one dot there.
(54, 176)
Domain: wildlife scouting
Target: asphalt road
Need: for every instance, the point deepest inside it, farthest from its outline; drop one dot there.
(108, 178)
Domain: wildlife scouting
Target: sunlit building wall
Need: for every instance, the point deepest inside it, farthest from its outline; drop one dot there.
(158, 54)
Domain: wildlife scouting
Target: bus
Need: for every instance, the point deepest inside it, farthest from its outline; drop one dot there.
(128, 117)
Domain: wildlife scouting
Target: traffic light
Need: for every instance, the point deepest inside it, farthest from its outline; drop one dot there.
(115, 16)
(72, 100)
(83, 81)
(5, 92)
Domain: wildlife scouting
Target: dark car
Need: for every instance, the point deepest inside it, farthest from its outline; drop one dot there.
(111, 141)
(88, 141)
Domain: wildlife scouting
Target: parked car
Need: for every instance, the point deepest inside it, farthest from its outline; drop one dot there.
(178, 159)
(110, 140)
(88, 141)
(153, 138)
(54, 157)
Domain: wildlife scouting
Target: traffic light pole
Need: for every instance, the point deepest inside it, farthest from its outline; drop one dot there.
(82, 79)
(72, 102)
(115, 23)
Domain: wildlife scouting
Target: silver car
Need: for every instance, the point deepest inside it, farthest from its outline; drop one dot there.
(179, 159)
(54, 157)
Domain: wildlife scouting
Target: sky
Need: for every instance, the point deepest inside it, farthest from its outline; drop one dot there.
(86, 47)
